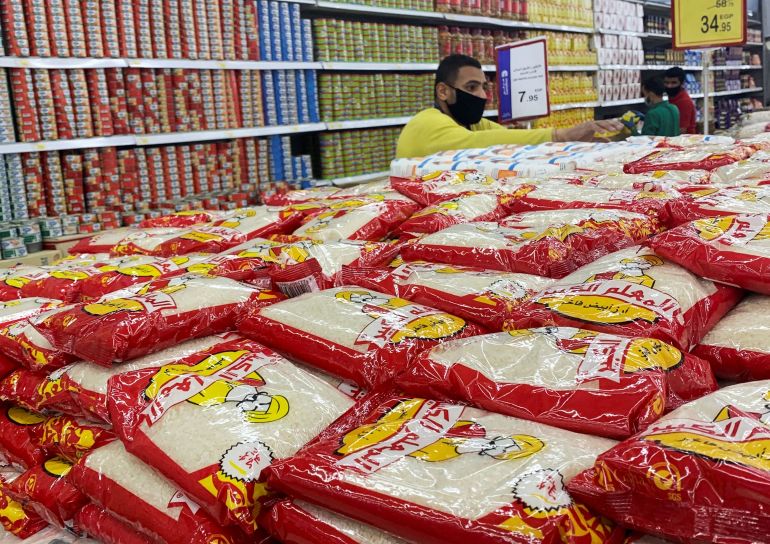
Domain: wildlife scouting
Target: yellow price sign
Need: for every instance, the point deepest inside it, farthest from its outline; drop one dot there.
(708, 23)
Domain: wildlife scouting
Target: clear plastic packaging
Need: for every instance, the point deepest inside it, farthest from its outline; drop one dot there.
(439, 186)
(100, 524)
(126, 487)
(632, 292)
(363, 336)
(462, 209)
(485, 297)
(212, 422)
(440, 473)
(122, 326)
(732, 249)
(738, 347)
(699, 202)
(700, 474)
(698, 158)
(575, 379)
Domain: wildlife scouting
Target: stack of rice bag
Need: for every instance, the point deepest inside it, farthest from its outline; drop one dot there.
(446, 357)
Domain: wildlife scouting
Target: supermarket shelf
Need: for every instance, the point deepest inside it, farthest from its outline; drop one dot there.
(667, 66)
(731, 93)
(574, 105)
(573, 68)
(57, 63)
(630, 101)
(355, 180)
(480, 19)
(60, 145)
(358, 8)
(222, 64)
(381, 66)
(653, 35)
(754, 44)
(158, 139)
(736, 67)
(622, 32)
(621, 66)
(368, 123)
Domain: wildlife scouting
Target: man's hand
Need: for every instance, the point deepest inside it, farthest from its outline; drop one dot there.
(585, 132)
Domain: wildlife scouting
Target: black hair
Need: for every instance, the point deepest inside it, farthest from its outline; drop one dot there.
(449, 67)
(676, 72)
(654, 84)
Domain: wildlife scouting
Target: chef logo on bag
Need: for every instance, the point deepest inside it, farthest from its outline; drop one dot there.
(615, 297)
(396, 319)
(736, 230)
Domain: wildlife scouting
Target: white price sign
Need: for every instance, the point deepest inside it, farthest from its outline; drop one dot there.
(522, 80)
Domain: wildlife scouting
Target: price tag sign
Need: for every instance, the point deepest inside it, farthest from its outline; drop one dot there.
(522, 80)
(708, 23)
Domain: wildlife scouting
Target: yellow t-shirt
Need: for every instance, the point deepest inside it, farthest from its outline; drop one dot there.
(431, 131)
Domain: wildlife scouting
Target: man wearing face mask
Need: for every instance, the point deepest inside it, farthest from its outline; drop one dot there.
(678, 96)
(456, 121)
(661, 119)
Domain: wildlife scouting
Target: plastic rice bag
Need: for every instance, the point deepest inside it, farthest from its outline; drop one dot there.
(698, 203)
(14, 517)
(104, 242)
(24, 308)
(654, 182)
(21, 342)
(372, 221)
(20, 434)
(126, 487)
(45, 490)
(121, 326)
(481, 296)
(212, 422)
(556, 195)
(440, 473)
(699, 158)
(632, 292)
(37, 391)
(185, 218)
(200, 239)
(71, 437)
(86, 383)
(382, 186)
(312, 265)
(732, 249)
(748, 172)
(578, 380)
(738, 347)
(139, 270)
(700, 474)
(300, 522)
(300, 196)
(462, 209)
(356, 334)
(66, 283)
(100, 524)
(14, 278)
(445, 185)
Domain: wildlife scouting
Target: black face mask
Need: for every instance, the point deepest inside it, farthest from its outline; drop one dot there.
(673, 91)
(468, 108)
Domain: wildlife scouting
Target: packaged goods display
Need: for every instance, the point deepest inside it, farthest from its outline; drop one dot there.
(337, 40)
(696, 442)
(232, 318)
(375, 147)
(343, 96)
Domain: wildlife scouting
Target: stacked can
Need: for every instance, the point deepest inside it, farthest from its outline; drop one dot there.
(258, 100)
(64, 111)
(202, 31)
(265, 36)
(51, 227)
(16, 188)
(142, 28)
(32, 174)
(116, 90)
(215, 29)
(109, 21)
(70, 224)
(37, 28)
(31, 235)
(45, 105)
(23, 93)
(6, 207)
(134, 100)
(72, 172)
(158, 29)
(150, 99)
(129, 179)
(92, 181)
(100, 102)
(82, 103)
(185, 165)
(145, 193)
(14, 27)
(174, 30)
(92, 19)
(7, 129)
(196, 99)
(307, 40)
(126, 29)
(229, 29)
(12, 247)
(110, 180)
(75, 29)
(55, 193)
(188, 36)
(251, 30)
(275, 31)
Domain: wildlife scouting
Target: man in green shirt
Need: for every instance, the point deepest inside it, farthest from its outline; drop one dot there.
(456, 121)
(662, 118)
